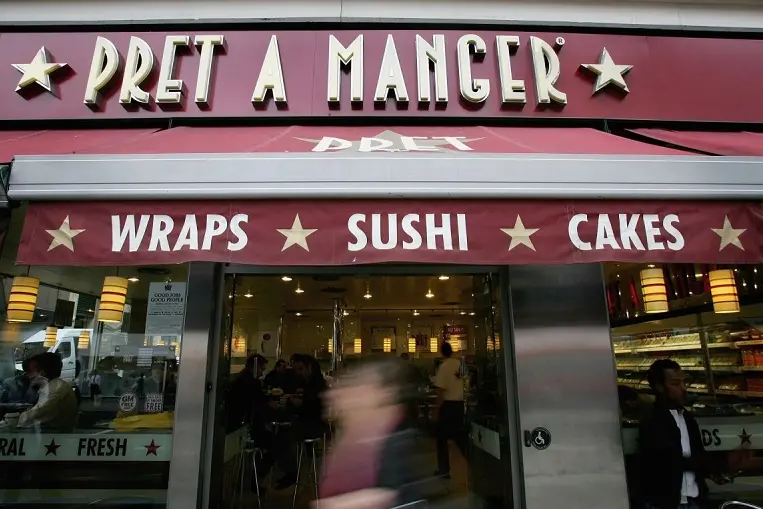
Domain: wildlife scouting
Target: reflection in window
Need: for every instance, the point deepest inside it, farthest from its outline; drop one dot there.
(118, 377)
(709, 321)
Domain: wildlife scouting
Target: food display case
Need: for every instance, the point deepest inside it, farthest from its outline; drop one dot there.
(723, 362)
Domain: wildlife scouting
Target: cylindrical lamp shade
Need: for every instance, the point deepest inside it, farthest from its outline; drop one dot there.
(330, 345)
(455, 345)
(357, 345)
(51, 333)
(23, 299)
(113, 299)
(84, 340)
(434, 345)
(723, 288)
(654, 291)
(412, 345)
(387, 345)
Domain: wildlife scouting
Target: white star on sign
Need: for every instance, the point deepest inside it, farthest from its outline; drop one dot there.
(296, 235)
(37, 71)
(607, 71)
(520, 235)
(63, 236)
(729, 235)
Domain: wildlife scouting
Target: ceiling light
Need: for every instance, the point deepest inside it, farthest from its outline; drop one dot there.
(285, 279)
(429, 294)
(299, 289)
(345, 313)
(368, 291)
(444, 277)
(651, 265)
(133, 279)
(471, 313)
(462, 313)
(367, 295)
(298, 313)
(416, 313)
(248, 295)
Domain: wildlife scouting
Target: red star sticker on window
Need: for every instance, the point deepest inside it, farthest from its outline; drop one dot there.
(152, 448)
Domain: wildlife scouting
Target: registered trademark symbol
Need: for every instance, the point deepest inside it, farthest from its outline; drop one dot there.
(560, 41)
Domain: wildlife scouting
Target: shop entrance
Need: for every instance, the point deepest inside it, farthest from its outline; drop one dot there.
(290, 341)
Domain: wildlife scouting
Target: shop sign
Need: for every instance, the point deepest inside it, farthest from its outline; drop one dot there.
(379, 231)
(399, 73)
(166, 309)
(718, 434)
(73, 447)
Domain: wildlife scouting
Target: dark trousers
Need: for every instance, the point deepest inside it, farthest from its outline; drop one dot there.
(450, 426)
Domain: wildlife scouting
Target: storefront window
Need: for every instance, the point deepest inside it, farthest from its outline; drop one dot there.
(87, 405)
(708, 320)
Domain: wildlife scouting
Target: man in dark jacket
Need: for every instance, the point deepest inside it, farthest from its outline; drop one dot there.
(672, 457)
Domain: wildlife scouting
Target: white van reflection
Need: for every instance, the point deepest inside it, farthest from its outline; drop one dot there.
(65, 347)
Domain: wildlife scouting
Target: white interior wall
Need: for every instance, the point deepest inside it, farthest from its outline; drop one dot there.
(703, 14)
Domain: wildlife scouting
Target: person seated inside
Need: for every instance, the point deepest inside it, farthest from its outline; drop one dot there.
(246, 398)
(278, 378)
(307, 406)
(56, 408)
(308, 402)
(18, 389)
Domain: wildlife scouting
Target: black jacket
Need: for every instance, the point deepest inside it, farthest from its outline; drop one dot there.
(662, 464)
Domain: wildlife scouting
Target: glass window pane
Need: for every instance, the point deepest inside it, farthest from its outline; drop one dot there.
(93, 423)
(704, 335)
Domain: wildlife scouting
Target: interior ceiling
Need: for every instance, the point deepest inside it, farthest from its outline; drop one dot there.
(389, 293)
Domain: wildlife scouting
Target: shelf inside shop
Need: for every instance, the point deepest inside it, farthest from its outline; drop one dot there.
(756, 342)
(674, 348)
(722, 361)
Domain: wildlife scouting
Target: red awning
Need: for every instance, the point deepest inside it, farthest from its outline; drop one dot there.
(740, 143)
(76, 141)
(208, 140)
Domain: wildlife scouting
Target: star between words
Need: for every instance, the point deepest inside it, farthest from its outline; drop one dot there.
(391, 231)
(432, 59)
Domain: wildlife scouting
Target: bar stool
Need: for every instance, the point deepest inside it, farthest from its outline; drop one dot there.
(308, 443)
(249, 452)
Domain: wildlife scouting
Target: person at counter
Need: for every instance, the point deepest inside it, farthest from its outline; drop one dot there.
(56, 408)
(672, 458)
(449, 409)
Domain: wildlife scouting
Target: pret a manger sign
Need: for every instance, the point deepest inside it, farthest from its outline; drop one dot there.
(430, 85)
(375, 73)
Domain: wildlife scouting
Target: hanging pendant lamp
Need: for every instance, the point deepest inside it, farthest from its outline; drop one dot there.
(51, 334)
(113, 298)
(654, 291)
(723, 288)
(412, 345)
(433, 345)
(84, 340)
(23, 299)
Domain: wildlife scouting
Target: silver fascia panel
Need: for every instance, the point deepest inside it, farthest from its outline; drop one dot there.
(388, 175)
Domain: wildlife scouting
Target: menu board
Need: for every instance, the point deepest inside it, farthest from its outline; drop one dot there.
(166, 309)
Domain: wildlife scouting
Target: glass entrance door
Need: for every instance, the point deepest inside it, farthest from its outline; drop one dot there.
(279, 333)
(486, 409)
